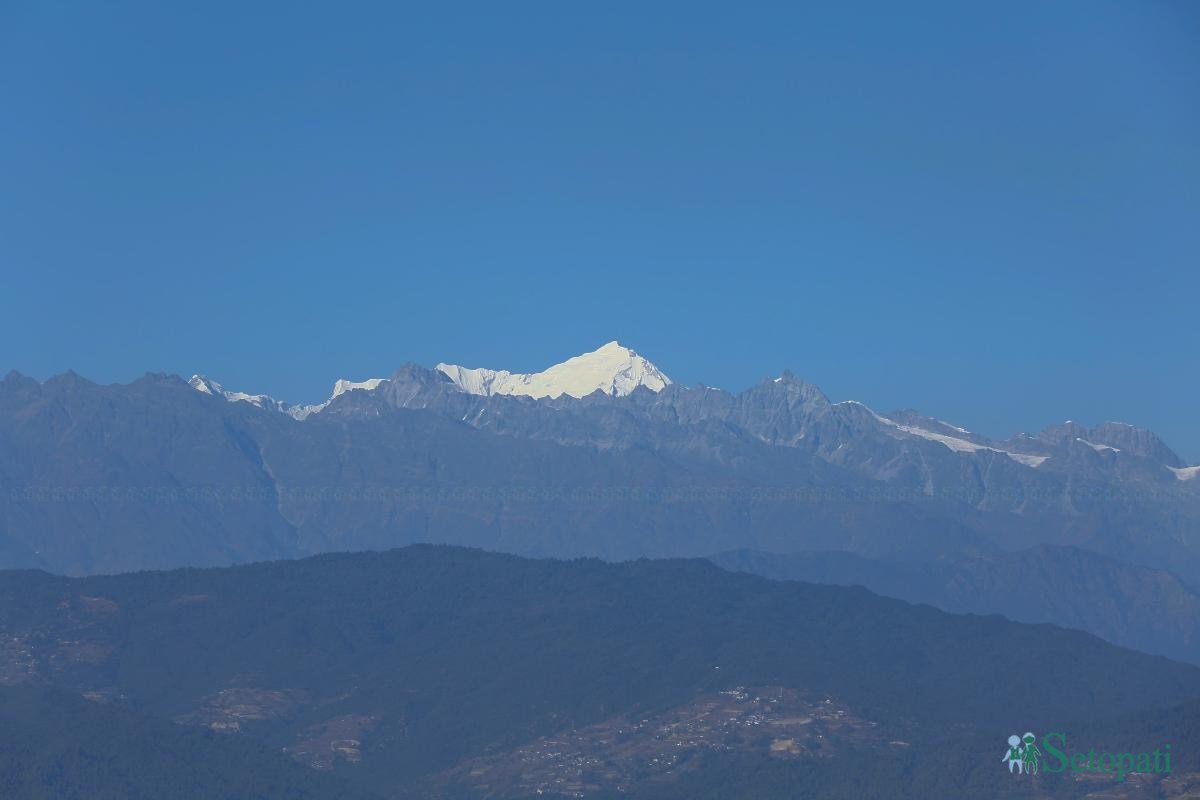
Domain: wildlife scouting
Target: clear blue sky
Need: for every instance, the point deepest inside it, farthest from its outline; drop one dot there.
(990, 212)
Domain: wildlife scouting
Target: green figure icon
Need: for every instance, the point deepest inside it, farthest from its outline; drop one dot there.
(1030, 754)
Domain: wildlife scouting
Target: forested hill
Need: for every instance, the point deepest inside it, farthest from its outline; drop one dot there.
(56, 745)
(392, 669)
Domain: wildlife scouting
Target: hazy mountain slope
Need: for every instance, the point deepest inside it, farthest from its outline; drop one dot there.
(434, 655)
(1059, 489)
(155, 473)
(1147, 609)
(106, 478)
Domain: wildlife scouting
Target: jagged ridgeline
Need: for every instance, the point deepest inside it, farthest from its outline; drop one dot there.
(600, 455)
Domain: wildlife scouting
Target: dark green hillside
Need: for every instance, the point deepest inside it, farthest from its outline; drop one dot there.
(55, 745)
(438, 654)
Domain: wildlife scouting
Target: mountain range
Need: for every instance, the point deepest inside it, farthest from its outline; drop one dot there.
(610, 369)
(604, 456)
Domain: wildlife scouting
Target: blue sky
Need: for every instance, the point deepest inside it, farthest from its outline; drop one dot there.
(987, 212)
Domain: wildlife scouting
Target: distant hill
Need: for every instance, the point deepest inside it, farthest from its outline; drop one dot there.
(1147, 609)
(395, 670)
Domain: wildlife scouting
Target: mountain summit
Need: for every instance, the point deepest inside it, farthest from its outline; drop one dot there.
(208, 386)
(613, 369)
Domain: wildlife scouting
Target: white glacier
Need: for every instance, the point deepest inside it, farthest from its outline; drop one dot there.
(952, 442)
(1185, 473)
(964, 446)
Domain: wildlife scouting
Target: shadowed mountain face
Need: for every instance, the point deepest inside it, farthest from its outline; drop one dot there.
(444, 672)
(157, 474)
(1147, 609)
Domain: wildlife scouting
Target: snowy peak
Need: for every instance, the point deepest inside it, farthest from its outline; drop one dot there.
(343, 386)
(340, 388)
(205, 386)
(209, 386)
(612, 369)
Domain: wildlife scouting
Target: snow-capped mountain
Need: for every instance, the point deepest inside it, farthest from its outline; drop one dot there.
(728, 469)
(810, 419)
(613, 369)
(208, 386)
(295, 410)
(847, 433)
(339, 388)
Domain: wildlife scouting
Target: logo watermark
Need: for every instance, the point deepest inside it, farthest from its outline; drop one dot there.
(1023, 754)
(1024, 757)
